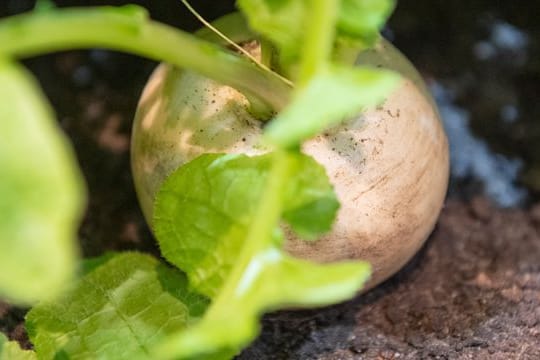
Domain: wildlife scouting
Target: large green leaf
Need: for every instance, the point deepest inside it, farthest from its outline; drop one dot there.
(217, 216)
(363, 19)
(10, 350)
(271, 280)
(280, 21)
(41, 193)
(118, 310)
(332, 96)
(203, 210)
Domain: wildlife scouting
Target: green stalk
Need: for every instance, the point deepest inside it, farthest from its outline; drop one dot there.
(267, 52)
(319, 39)
(128, 29)
(346, 52)
(258, 240)
(259, 236)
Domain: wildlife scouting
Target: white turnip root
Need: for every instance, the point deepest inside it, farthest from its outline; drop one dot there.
(389, 166)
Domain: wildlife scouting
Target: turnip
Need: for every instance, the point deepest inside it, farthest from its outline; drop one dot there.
(389, 165)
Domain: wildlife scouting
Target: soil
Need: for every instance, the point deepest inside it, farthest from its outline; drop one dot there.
(473, 291)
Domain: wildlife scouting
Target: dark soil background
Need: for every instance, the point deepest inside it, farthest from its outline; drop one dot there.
(473, 292)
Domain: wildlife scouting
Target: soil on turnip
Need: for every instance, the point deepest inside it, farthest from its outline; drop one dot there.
(472, 292)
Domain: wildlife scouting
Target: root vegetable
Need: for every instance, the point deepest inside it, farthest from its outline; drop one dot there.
(389, 166)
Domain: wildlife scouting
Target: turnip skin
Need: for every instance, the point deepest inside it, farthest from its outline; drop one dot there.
(389, 166)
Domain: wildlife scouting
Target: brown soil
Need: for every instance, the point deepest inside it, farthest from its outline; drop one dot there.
(473, 292)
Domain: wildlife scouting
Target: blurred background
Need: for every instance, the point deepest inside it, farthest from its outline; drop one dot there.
(481, 61)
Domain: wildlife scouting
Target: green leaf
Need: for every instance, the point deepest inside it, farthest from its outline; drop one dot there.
(44, 5)
(331, 97)
(203, 210)
(271, 280)
(363, 19)
(284, 22)
(41, 193)
(280, 21)
(10, 350)
(310, 201)
(217, 216)
(118, 310)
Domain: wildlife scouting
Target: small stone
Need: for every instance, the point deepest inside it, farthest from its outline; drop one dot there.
(482, 280)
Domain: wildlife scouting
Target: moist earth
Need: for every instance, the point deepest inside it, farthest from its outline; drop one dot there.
(473, 292)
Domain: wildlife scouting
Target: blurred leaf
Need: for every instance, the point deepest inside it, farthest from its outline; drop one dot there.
(10, 350)
(203, 210)
(41, 193)
(332, 96)
(280, 21)
(284, 21)
(44, 5)
(271, 280)
(363, 19)
(205, 216)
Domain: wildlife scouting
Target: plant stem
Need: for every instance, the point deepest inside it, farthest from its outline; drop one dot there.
(346, 53)
(266, 52)
(259, 236)
(320, 33)
(258, 240)
(128, 29)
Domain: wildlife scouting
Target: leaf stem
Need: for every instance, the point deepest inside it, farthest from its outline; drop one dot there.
(128, 29)
(258, 240)
(319, 39)
(270, 207)
(266, 52)
(259, 236)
